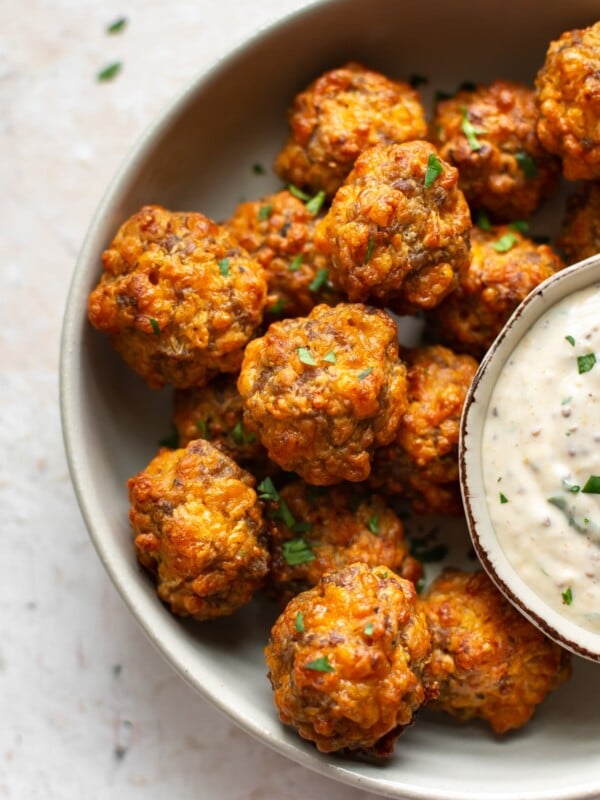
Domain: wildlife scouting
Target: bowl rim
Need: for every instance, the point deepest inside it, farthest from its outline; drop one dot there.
(557, 287)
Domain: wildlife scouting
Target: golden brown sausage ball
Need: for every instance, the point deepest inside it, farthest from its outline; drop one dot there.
(199, 529)
(568, 97)
(278, 232)
(339, 116)
(580, 234)
(323, 391)
(489, 661)
(346, 658)
(215, 413)
(398, 230)
(505, 266)
(422, 464)
(179, 298)
(314, 531)
(489, 135)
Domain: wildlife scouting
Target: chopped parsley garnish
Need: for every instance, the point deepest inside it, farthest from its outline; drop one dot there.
(306, 357)
(567, 596)
(315, 203)
(330, 357)
(592, 485)
(319, 280)
(373, 524)
(109, 72)
(417, 80)
(526, 164)
(369, 253)
(299, 622)
(297, 551)
(565, 401)
(264, 212)
(571, 487)
(470, 131)
(171, 441)
(201, 425)
(298, 193)
(586, 362)
(365, 373)
(483, 222)
(520, 226)
(368, 629)
(302, 527)
(503, 498)
(117, 26)
(267, 490)
(433, 171)
(428, 554)
(570, 340)
(295, 263)
(258, 169)
(320, 665)
(224, 266)
(155, 326)
(420, 585)
(505, 243)
(277, 307)
(238, 433)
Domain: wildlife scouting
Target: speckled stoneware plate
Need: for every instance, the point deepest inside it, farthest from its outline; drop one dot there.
(199, 156)
(556, 288)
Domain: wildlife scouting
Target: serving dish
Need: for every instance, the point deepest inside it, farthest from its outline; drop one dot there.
(199, 155)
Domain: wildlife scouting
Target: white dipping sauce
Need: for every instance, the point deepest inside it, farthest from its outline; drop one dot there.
(541, 445)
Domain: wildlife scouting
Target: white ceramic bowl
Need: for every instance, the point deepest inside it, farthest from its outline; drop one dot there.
(199, 155)
(485, 537)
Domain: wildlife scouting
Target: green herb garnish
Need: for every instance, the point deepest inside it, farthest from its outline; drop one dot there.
(373, 524)
(570, 340)
(330, 357)
(420, 585)
(315, 203)
(505, 243)
(483, 222)
(306, 357)
(224, 266)
(571, 487)
(295, 263)
(267, 490)
(369, 253)
(278, 307)
(433, 171)
(238, 434)
(368, 629)
(565, 400)
(319, 280)
(298, 193)
(302, 527)
(320, 665)
(520, 226)
(155, 326)
(117, 26)
(297, 551)
(592, 485)
(567, 596)
(526, 164)
(470, 131)
(586, 362)
(503, 498)
(365, 373)
(201, 425)
(299, 622)
(109, 72)
(264, 212)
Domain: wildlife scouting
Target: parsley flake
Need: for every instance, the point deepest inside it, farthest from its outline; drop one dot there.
(264, 212)
(117, 26)
(295, 263)
(505, 243)
(201, 425)
(373, 524)
(298, 193)
(320, 665)
(567, 596)
(368, 629)
(592, 485)
(433, 171)
(297, 551)
(503, 498)
(330, 357)
(586, 362)
(420, 585)
(520, 226)
(299, 622)
(319, 280)
(470, 131)
(224, 267)
(526, 164)
(302, 527)
(365, 373)
(571, 487)
(315, 203)
(570, 340)
(109, 72)
(238, 434)
(306, 357)
(483, 222)
(155, 326)
(277, 307)
(369, 253)
(267, 490)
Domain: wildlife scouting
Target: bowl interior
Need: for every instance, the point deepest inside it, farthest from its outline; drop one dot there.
(199, 156)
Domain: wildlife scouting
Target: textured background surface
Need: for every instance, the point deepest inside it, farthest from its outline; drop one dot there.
(89, 709)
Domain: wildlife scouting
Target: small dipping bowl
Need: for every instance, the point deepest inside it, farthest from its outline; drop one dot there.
(486, 537)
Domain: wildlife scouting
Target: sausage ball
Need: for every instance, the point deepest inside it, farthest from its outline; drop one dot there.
(339, 116)
(398, 230)
(488, 660)
(323, 391)
(199, 529)
(215, 413)
(179, 298)
(505, 266)
(489, 135)
(580, 234)
(422, 464)
(568, 98)
(316, 531)
(346, 660)
(278, 232)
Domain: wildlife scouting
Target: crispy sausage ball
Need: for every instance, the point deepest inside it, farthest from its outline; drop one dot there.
(278, 232)
(199, 529)
(339, 116)
(580, 234)
(398, 230)
(321, 530)
(422, 464)
(346, 658)
(501, 163)
(489, 661)
(215, 413)
(505, 266)
(179, 298)
(322, 391)
(568, 98)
